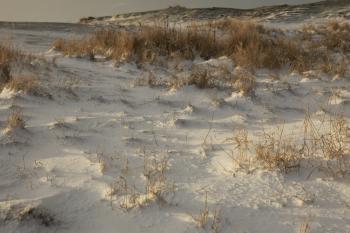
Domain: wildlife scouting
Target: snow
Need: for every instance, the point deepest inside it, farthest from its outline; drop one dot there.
(102, 127)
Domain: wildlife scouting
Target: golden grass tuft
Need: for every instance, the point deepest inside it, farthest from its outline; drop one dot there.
(243, 81)
(276, 152)
(11, 75)
(28, 84)
(15, 121)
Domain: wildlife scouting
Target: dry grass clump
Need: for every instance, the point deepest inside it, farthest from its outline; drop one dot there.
(243, 81)
(330, 138)
(325, 146)
(241, 142)
(30, 213)
(10, 77)
(207, 218)
(335, 143)
(15, 121)
(10, 56)
(25, 83)
(5, 73)
(28, 84)
(157, 187)
(253, 46)
(203, 216)
(336, 35)
(201, 78)
(335, 67)
(326, 142)
(325, 41)
(41, 216)
(7, 57)
(278, 152)
(186, 43)
(76, 47)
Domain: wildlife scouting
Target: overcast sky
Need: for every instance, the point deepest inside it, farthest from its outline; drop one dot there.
(72, 10)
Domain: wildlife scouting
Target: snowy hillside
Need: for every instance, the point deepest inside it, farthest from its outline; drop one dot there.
(281, 13)
(93, 144)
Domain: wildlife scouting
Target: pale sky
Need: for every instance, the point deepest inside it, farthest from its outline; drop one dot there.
(72, 10)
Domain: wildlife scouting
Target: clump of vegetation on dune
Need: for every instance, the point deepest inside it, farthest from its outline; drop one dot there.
(12, 77)
(7, 56)
(324, 147)
(144, 45)
(248, 43)
(15, 121)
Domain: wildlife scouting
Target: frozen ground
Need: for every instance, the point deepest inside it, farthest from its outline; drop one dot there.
(99, 128)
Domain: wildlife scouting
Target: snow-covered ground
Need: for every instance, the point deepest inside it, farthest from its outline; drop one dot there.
(99, 130)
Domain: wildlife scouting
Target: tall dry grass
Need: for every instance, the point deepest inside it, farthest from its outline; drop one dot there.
(249, 44)
(28, 84)
(145, 44)
(325, 144)
(12, 61)
(7, 57)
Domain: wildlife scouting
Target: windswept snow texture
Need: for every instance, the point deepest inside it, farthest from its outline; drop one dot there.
(99, 127)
